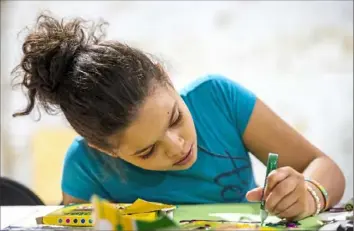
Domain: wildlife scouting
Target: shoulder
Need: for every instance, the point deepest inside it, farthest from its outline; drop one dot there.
(220, 97)
(206, 83)
(81, 175)
(80, 154)
(218, 88)
(77, 150)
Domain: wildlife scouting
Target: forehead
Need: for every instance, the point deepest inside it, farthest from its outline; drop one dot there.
(152, 118)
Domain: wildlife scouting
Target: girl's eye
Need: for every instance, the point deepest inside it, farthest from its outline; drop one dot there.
(174, 123)
(147, 155)
(178, 120)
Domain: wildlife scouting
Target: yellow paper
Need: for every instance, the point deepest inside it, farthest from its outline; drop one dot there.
(143, 216)
(142, 206)
(108, 217)
(80, 214)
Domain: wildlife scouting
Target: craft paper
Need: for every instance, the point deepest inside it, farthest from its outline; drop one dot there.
(108, 217)
(244, 217)
(142, 206)
(217, 225)
(79, 215)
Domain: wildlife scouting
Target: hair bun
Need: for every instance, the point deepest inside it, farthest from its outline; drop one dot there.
(49, 52)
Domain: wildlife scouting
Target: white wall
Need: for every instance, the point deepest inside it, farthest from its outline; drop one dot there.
(297, 56)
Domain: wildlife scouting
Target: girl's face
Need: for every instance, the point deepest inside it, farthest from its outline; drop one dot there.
(163, 135)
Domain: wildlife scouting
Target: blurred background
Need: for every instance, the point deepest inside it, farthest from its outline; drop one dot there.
(295, 55)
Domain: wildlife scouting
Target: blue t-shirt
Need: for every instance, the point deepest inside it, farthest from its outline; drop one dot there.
(221, 110)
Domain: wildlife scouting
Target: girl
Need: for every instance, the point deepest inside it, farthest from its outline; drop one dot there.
(139, 138)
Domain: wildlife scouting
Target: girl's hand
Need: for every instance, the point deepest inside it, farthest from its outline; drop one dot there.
(286, 195)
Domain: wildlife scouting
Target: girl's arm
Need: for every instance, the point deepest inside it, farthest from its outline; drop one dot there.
(266, 132)
(67, 199)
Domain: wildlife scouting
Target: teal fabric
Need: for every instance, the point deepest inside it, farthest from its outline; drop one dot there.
(221, 109)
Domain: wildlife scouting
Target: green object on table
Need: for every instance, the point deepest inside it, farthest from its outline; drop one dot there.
(163, 223)
(349, 205)
(272, 164)
(201, 212)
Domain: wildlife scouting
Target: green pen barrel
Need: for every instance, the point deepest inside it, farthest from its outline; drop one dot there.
(272, 164)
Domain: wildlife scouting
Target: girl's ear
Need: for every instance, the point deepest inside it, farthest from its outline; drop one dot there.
(110, 153)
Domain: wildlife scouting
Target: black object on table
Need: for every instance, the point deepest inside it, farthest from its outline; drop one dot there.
(13, 193)
(346, 227)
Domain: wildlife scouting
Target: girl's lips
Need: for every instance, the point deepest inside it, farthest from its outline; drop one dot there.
(186, 158)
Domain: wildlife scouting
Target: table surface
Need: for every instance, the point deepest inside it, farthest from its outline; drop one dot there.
(24, 216)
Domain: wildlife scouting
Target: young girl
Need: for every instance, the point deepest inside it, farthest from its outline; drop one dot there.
(139, 138)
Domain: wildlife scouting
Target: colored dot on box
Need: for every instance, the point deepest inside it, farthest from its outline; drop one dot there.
(82, 221)
(67, 220)
(75, 221)
(90, 221)
(60, 221)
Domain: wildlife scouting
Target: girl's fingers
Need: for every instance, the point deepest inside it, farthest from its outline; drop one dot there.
(275, 177)
(279, 192)
(292, 212)
(254, 194)
(284, 193)
(287, 202)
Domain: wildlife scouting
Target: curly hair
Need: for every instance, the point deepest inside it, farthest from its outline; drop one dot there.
(98, 85)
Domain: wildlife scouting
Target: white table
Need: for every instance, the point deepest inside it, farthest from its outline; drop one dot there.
(25, 216)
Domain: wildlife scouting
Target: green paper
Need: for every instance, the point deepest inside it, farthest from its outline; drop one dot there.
(201, 212)
(161, 224)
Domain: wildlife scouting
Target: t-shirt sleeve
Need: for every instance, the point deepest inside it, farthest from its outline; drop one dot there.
(237, 100)
(79, 178)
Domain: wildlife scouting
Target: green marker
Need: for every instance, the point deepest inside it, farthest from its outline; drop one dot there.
(272, 164)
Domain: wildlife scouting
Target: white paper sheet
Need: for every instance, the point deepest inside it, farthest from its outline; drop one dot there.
(239, 217)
